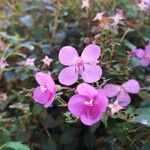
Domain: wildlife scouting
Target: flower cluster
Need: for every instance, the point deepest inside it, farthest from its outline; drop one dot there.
(142, 55)
(111, 21)
(89, 103)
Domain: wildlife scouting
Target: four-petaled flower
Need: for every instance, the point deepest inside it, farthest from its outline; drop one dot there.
(45, 93)
(89, 104)
(142, 55)
(115, 107)
(121, 92)
(46, 60)
(29, 62)
(85, 66)
(85, 4)
(117, 18)
(99, 16)
(144, 5)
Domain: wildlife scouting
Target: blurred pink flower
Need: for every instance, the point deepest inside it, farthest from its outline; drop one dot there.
(144, 5)
(29, 62)
(3, 46)
(46, 60)
(88, 104)
(85, 66)
(121, 92)
(85, 4)
(99, 16)
(117, 18)
(115, 107)
(3, 63)
(142, 55)
(45, 92)
(3, 96)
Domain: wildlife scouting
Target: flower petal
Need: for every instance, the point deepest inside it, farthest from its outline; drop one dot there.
(90, 115)
(68, 76)
(111, 90)
(140, 53)
(87, 90)
(144, 62)
(41, 78)
(67, 55)
(50, 82)
(102, 100)
(131, 86)
(41, 97)
(91, 73)
(147, 49)
(123, 98)
(76, 104)
(91, 53)
(50, 101)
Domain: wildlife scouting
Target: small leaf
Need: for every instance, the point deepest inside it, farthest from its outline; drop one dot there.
(27, 20)
(143, 119)
(15, 145)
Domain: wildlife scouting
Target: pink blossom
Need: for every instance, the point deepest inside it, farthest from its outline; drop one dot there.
(144, 5)
(117, 18)
(121, 91)
(115, 107)
(85, 4)
(85, 66)
(99, 16)
(3, 63)
(46, 60)
(142, 55)
(29, 62)
(88, 104)
(3, 96)
(45, 92)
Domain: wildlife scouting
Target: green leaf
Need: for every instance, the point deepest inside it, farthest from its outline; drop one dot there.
(15, 145)
(19, 54)
(146, 146)
(143, 119)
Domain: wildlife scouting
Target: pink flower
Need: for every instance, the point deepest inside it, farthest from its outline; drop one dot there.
(45, 92)
(46, 60)
(99, 16)
(88, 104)
(142, 55)
(117, 18)
(139, 53)
(85, 66)
(85, 4)
(121, 92)
(3, 64)
(144, 5)
(115, 107)
(3, 96)
(29, 62)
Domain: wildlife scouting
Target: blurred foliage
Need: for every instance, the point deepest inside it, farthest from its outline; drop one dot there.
(35, 28)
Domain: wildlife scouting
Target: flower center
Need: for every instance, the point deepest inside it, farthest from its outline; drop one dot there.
(43, 88)
(120, 89)
(79, 65)
(89, 103)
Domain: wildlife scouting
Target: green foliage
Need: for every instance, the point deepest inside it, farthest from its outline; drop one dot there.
(15, 145)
